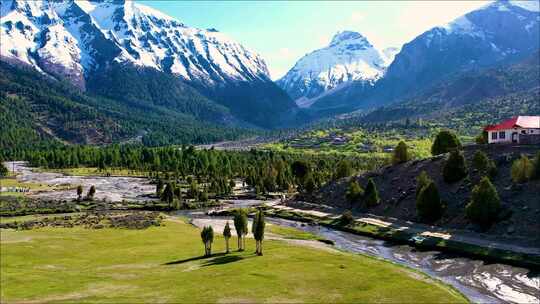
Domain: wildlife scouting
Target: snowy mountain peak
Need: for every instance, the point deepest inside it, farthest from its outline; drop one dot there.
(89, 35)
(348, 57)
(349, 37)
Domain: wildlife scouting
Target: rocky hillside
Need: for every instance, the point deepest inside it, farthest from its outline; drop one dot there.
(397, 186)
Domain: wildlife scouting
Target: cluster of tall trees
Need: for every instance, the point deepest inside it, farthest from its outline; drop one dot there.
(241, 225)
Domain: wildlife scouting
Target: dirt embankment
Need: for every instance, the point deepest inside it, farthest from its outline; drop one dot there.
(519, 218)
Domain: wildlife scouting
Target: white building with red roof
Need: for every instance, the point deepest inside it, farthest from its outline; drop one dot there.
(519, 129)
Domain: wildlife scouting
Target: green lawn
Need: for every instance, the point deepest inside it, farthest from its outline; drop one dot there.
(153, 265)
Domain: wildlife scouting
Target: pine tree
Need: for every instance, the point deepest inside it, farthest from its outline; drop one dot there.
(445, 141)
(428, 203)
(354, 192)
(522, 170)
(371, 195)
(485, 204)
(421, 181)
(401, 154)
(91, 193)
(455, 167)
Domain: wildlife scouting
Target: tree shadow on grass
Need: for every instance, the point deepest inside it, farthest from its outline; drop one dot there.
(215, 259)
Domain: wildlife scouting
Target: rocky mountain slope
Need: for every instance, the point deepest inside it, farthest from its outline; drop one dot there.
(79, 40)
(498, 33)
(482, 96)
(397, 187)
(349, 56)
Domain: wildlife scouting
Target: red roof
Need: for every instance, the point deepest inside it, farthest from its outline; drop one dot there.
(527, 122)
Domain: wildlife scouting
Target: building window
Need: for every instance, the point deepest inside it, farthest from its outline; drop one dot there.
(494, 135)
(502, 135)
(523, 132)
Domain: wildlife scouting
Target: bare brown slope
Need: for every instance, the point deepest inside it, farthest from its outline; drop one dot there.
(397, 186)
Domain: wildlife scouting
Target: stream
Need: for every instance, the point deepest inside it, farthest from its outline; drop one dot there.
(479, 281)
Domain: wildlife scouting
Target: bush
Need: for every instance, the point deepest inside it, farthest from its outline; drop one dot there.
(485, 204)
(371, 196)
(421, 181)
(346, 218)
(401, 154)
(522, 170)
(480, 161)
(482, 138)
(428, 203)
(445, 142)
(454, 168)
(354, 192)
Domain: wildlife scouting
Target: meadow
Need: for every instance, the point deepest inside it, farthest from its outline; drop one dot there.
(165, 264)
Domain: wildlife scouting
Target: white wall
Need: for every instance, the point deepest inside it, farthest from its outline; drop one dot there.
(508, 134)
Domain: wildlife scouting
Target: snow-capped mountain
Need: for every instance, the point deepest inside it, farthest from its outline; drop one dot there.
(79, 39)
(82, 36)
(500, 32)
(349, 56)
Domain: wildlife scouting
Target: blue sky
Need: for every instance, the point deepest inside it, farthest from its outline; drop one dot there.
(282, 31)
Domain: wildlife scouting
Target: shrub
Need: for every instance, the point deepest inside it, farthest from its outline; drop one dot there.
(421, 181)
(428, 203)
(484, 205)
(522, 170)
(309, 184)
(371, 196)
(445, 142)
(480, 161)
(401, 154)
(454, 168)
(482, 138)
(346, 218)
(354, 192)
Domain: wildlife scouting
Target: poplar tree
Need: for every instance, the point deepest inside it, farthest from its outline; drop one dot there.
(227, 235)
(207, 236)
(258, 231)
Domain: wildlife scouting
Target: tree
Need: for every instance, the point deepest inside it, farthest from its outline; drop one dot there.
(207, 236)
(91, 193)
(300, 169)
(428, 203)
(227, 235)
(168, 195)
(371, 196)
(445, 142)
(522, 170)
(3, 172)
(354, 192)
(344, 169)
(258, 231)
(240, 224)
(159, 187)
(309, 184)
(480, 161)
(79, 192)
(484, 205)
(421, 181)
(401, 154)
(455, 167)
(482, 138)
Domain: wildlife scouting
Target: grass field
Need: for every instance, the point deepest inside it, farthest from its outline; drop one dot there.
(12, 182)
(163, 264)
